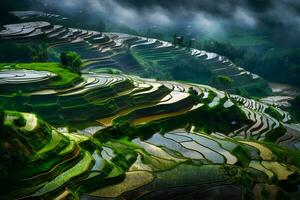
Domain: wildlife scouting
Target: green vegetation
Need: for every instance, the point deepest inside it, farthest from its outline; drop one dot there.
(255, 52)
(295, 110)
(271, 62)
(18, 52)
(273, 112)
(72, 60)
(221, 48)
(79, 168)
(65, 76)
(242, 155)
(275, 134)
(224, 81)
(179, 139)
(108, 71)
(67, 160)
(284, 154)
(190, 70)
(283, 64)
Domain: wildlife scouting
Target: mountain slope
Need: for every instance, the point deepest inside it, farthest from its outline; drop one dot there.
(135, 54)
(120, 136)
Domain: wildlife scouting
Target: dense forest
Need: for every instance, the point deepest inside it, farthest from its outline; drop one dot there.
(272, 62)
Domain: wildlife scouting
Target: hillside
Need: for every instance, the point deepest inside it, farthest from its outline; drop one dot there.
(142, 56)
(136, 129)
(139, 118)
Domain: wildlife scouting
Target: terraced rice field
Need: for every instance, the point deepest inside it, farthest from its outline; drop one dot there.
(133, 180)
(24, 76)
(117, 136)
(141, 101)
(128, 53)
(161, 151)
(166, 151)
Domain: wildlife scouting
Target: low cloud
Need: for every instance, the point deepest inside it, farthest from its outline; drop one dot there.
(205, 16)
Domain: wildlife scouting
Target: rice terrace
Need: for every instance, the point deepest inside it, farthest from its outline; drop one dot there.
(123, 100)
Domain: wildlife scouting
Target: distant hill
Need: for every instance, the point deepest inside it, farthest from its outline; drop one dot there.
(134, 54)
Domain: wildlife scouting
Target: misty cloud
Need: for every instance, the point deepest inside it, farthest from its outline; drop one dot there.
(244, 18)
(210, 16)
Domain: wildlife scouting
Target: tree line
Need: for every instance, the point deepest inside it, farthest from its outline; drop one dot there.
(273, 63)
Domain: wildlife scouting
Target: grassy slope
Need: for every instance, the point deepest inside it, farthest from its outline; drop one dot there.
(65, 75)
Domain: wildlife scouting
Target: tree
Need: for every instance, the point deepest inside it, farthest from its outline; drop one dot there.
(63, 59)
(225, 49)
(14, 51)
(224, 81)
(72, 60)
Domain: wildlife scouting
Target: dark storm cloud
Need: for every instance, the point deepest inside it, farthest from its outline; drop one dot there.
(209, 16)
(247, 12)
